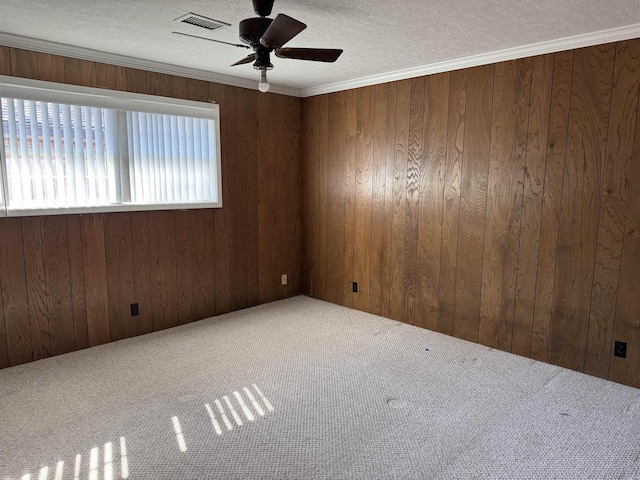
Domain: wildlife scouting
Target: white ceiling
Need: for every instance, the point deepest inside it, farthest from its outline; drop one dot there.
(378, 36)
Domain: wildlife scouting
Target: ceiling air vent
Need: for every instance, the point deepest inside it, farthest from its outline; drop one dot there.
(201, 21)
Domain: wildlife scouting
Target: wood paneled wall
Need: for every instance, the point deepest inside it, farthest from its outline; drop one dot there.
(499, 204)
(67, 281)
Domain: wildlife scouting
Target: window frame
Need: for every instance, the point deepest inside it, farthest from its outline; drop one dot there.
(38, 90)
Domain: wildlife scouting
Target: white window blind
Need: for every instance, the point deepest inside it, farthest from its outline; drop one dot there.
(170, 158)
(78, 154)
(57, 154)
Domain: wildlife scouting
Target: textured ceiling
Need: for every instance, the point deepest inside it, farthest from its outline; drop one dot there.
(378, 36)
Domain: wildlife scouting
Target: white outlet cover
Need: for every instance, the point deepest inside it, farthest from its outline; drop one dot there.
(284, 279)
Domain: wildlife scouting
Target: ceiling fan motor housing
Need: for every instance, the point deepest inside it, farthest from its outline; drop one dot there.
(252, 30)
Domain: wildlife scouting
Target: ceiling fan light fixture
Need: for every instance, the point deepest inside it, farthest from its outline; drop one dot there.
(263, 85)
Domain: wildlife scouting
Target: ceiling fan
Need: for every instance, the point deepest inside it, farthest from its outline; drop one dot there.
(265, 35)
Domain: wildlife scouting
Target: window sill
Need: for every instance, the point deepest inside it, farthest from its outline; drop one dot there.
(123, 207)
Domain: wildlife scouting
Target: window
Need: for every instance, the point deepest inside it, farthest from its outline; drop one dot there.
(70, 149)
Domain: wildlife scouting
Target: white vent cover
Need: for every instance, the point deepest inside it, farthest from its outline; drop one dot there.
(201, 21)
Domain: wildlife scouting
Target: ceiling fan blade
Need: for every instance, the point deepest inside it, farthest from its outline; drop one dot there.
(262, 7)
(248, 59)
(313, 54)
(282, 29)
(212, 40)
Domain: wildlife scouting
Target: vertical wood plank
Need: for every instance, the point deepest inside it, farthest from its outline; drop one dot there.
(51, 68)
(350, 196)
(551, 204)
(283, 245)
(199, 290)
(473, 200)
(387, 225)
(377, 293)
(414, 160)
(267, 199)
(293, 179)
(588, 121)
(106, 76)
(364, 160)
(283, 215)
(118, 242)
(306, 198)
(221, 215)
(514, 207)
(313, 169)
(76, 272)
(136, 80)
(196, 90)
(251, 155)
(184, 88)
(142, 271)
(613, 206)
(120, 78)
(311, 137)
(24, 63)
(95, 275)
(79, 72)
(162, 251)
(4, 347)
(452, 194)
(210, 262)
(436, 112)
(36, 287)
(5, 60)
(501, 155)
(237, 186)
(13, 285)
(402, 122)
(532, 203)
(336, 196)
(183, 267)
(323, 132)
(57, 278)
(161, 84)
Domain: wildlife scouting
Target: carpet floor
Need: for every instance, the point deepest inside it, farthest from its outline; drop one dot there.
(301, 388)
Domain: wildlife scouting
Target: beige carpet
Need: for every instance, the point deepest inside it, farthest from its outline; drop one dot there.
(305, 389)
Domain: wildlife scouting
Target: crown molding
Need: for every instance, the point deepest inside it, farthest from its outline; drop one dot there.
(568, 43)
(43, 46)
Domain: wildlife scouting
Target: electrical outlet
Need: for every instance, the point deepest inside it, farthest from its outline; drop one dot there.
(355, 287)
(620, 349)
(284, 279)
(134, 310)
